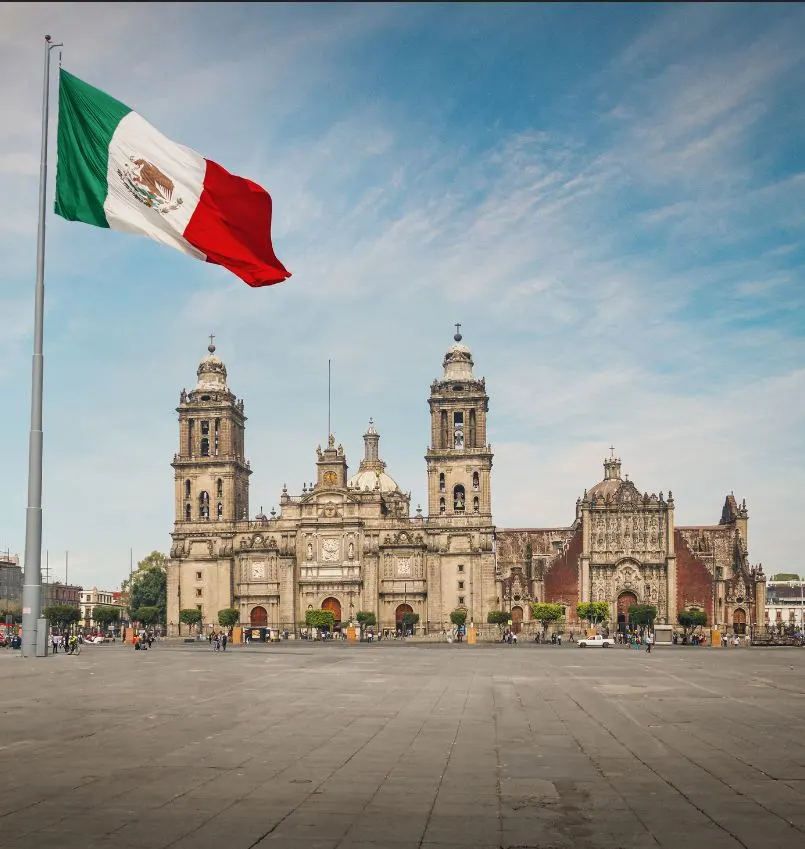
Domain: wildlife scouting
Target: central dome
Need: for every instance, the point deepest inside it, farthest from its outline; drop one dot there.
(371, 480)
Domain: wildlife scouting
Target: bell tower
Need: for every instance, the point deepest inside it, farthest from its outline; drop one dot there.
(211, 473)
(459, 460)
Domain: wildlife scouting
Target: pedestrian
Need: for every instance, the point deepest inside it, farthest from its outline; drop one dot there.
(55, 641)
(649, 641)
(223, 641)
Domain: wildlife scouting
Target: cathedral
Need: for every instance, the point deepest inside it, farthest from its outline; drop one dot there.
(349, 543)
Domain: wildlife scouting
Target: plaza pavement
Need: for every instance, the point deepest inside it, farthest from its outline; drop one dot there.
(403, 745)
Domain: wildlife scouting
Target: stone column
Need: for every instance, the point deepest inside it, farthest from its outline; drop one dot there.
(585, 554)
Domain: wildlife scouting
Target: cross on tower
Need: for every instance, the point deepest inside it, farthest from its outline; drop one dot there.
(212, 338)
(457, 337)
(612, 452)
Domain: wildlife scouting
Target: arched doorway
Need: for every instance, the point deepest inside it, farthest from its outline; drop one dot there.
(739, 621)
(517, 619)
(334, 606)
(625, 600)
(258, 618)
(399, 613)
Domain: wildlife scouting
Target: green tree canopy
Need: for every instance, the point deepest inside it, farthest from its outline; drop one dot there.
(148, 586)
(593, 611)
(458, 616)
(190, 616)
(642, 614)
(105, 615)
(62, 616)
(149, 615)
(228, 617)
(691, 618)
(498, 617)
(366, 619)
(410, 619)
(316, 618)
(546, 612)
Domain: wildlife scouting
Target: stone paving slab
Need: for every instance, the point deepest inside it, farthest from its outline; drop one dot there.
(403, 745)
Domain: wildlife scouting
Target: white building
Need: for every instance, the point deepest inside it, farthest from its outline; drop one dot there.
(106, 598)
(785, 603)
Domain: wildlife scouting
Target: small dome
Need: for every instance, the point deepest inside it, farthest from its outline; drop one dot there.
(211, 372)
(458, 361)
(369, 479)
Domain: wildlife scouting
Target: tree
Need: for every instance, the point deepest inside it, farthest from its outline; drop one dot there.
(148, 586)
(409, 620)
(190, 616)
(366, 619)
(691, 618)
(62, 616)
(458, 616)
(316, 618)
(594, 612)
(498, 617)
(148, 615)
(546, 612)
(228, 617)
(105, 615)
(785, 576)
(642, 614)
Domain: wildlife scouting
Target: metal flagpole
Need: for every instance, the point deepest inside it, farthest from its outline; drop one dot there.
(32, 588)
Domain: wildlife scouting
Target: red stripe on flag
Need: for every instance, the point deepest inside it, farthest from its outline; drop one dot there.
(232, 226)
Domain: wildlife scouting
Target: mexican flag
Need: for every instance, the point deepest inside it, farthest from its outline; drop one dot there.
(115, 170)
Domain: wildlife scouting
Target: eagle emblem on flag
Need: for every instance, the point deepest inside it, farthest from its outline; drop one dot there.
(150, 186)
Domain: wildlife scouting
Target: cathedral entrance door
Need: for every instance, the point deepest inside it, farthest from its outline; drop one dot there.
(258, 617)
(739, 621)
(625, 600)
(399, 613)
(334, 606)
(517, 619)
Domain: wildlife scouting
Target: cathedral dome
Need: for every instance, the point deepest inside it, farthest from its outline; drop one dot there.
(211, 372)
(612, 480)
(373, 479)
(371, 474)
(458, 360)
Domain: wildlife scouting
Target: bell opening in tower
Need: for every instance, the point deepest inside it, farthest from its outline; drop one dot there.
(458, 499)
(458, 429)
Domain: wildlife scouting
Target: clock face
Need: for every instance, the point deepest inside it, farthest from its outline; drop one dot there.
(330, 478)
(258, 571)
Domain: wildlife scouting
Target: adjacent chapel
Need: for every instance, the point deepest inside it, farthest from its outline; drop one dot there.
(349, 542)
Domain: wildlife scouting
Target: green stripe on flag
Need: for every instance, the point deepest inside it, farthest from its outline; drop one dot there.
(87, 120)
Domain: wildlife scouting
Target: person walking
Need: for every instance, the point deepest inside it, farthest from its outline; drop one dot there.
(649, 641)
(223, 640)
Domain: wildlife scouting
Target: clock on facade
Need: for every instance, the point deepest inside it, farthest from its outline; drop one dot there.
(330, 478)
(258, 571)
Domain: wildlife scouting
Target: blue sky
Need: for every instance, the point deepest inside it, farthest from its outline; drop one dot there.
(609, 198)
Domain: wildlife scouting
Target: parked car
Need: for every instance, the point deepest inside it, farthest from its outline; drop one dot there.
(596, 642)
(96, 639)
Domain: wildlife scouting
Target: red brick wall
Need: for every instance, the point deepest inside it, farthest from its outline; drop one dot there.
(562, 576)
(694, 583)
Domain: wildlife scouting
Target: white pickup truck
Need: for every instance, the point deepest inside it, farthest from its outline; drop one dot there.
(596, 642)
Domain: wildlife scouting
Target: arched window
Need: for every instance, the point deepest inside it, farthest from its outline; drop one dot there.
(204, 505)
(441, 482)
(219, 488)
(475, 505)
(217, 435)
(441, 507)
(205, 428)
(187, 516)
(205, 446)
(220, 510)
(458, 499)
(187, 489)
(476, 482)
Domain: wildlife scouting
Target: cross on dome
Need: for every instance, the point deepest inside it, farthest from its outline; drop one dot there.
(457, 337)
(211, 346)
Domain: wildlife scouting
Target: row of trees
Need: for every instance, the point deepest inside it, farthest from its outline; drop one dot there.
(596, 612)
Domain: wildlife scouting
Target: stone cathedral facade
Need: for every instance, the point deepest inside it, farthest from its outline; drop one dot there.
(349, 543)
